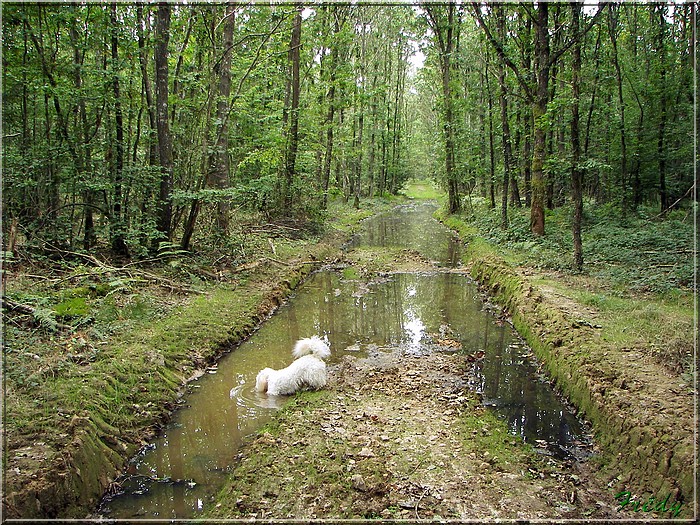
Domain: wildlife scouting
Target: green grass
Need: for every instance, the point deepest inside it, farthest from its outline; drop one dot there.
(423, 190)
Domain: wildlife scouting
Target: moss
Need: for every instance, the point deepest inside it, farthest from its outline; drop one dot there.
(75, 307)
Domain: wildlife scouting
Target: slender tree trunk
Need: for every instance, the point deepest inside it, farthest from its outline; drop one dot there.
(165, 145)
(526, 63)
(219, 177)
(83, 153)
(661, 145)
(539, 110)
(517, 161)
(591, 106)
(293, 137)
(505, 126)
(330, 114)
(146, 86)
(358, 153)
(117, 220)
(445, 35)
(612, 24)
(492, 149)
(396, 122)
(576, 173)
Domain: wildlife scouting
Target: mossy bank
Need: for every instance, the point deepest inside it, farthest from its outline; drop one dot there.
(620, 372)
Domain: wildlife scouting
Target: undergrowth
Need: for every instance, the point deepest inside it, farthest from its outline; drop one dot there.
(638, 251)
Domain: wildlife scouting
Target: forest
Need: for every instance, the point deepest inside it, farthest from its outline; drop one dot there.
(138, 127)
(172, 172)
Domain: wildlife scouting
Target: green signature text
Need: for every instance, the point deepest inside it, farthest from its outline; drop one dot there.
(651, 505)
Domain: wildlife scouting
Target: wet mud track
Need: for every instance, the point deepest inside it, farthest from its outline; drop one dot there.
(403, 430)
(397, 435)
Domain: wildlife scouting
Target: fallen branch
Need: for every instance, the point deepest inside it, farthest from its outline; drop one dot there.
(14, 306)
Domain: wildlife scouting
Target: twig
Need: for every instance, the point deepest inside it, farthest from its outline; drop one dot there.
(26, 309)
(664, 212)
(415, 509)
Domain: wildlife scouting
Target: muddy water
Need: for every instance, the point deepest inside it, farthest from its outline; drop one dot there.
(176, 475)
(412, 227)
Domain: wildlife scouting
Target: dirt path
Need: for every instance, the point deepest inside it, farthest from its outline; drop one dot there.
(399, 436)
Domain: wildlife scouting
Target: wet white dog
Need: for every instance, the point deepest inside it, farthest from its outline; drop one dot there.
(308, 370)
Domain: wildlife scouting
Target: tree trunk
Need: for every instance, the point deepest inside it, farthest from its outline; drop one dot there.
(445, 35)
(539, 110)
(661, 146)
(84, 153)
(146, 85)
(293, 137)
(612, 24)
(118, 229)
(492, 149)
(505, 127)
(526, 64)
(330, 114)
(165, 144)
(219, 177)
(576, 173)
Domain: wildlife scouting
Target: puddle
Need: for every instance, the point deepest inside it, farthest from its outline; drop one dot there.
(178, 473)
(413, 227)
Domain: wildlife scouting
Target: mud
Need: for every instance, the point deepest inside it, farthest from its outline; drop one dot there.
(642, 414)
(399, 436)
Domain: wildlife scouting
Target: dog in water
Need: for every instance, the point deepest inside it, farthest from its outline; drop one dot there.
(308, 370)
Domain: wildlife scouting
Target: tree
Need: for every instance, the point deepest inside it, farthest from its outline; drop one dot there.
(293, 135)
(118, 227)
(443, 22)
(544, 59)
(165, 144)
(576, 172)
(505, 126)
(219, 174)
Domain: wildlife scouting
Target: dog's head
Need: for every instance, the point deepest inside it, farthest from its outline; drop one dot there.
(261, 379)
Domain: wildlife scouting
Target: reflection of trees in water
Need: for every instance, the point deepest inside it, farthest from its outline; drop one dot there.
(531, 409)
(412, 227)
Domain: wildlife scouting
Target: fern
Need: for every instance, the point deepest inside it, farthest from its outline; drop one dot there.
(46, 318)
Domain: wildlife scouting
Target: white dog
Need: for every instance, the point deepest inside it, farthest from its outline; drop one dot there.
(308, 369)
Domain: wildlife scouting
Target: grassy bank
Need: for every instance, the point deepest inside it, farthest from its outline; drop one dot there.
(96, 358)
(617, 341)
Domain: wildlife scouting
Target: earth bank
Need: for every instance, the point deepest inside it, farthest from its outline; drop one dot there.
(641, 411)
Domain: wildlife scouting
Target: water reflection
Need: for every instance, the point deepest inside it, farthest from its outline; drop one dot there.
(513, 387)
(412, 227)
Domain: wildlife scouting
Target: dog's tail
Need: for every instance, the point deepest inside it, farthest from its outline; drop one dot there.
(312, 345)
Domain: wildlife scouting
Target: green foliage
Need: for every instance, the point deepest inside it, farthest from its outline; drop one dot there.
(635, 251)
(75, 307)
(386, 121)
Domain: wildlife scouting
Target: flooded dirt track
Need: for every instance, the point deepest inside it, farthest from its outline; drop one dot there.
(418, 343)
